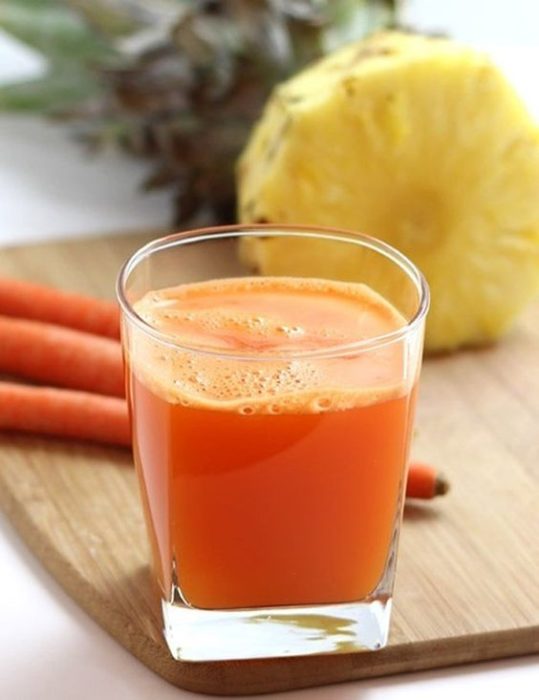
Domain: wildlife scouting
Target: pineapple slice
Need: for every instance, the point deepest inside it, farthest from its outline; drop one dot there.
(418, 141)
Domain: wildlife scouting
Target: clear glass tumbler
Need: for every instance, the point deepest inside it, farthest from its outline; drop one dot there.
(272, 474)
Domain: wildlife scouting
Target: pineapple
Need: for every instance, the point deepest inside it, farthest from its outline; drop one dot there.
(418, 141)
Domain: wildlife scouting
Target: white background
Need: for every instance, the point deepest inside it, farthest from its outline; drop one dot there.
(49, 648)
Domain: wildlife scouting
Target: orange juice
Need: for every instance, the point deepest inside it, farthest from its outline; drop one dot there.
(271, 465)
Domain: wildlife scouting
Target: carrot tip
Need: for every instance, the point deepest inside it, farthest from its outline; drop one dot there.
(441, 485)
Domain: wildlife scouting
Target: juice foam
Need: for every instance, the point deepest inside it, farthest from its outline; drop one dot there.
(271, 322)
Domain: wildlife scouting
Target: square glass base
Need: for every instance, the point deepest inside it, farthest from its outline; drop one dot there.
(218, 635)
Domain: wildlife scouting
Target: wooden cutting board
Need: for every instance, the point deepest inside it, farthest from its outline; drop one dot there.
(468, 574)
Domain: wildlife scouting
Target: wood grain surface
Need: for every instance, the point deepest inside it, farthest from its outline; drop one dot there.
(468, 574)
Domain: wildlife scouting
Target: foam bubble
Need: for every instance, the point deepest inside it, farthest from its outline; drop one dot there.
(321, 403)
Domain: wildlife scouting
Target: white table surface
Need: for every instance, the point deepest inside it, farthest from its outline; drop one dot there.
(49, 648)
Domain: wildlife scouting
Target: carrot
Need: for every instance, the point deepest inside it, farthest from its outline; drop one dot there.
(64, 413)
(42, 303)
(425, 482)
(61, 356)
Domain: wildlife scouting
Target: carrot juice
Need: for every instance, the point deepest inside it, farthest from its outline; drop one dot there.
(271, 466)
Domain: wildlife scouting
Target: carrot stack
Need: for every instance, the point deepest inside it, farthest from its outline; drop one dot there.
(70, 342)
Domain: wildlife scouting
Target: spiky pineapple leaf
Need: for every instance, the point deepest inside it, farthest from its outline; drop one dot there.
(48, 94)
(116, 19)
(70, 46)
(55, 30)
(349, 20)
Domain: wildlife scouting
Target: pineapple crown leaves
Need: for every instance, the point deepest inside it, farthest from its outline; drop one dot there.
(67, 43)
(78, 38)
(180, 81)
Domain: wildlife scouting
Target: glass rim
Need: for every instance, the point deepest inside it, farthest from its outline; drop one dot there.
(261, 230)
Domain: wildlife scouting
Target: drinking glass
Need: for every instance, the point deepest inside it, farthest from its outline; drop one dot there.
(273, 532)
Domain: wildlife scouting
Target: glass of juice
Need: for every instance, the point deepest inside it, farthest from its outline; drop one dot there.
(271, 418)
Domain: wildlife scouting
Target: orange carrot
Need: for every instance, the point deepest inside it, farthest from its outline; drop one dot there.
(61, 356)
(64, 413)
(42, 303)
(425, 482)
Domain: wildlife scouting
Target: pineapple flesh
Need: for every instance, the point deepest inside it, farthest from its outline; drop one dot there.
(418, 141)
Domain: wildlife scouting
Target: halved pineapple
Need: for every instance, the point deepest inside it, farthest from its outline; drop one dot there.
(418, 141)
